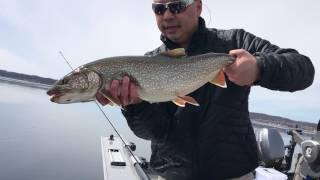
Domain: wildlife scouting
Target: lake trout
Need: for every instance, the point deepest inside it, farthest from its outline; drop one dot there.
(169, 76)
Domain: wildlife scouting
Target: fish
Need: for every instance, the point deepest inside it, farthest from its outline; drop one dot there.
(169, 76)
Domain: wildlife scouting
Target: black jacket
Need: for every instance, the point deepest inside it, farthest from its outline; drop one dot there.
(215, 140)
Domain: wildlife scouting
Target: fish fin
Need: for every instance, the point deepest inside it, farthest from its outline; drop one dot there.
(190, 100)
(179, 52)
(219, 80)
(179, 102)
(182, 100)
(112, 102)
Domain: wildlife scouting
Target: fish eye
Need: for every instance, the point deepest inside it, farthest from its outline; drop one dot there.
(64, 81)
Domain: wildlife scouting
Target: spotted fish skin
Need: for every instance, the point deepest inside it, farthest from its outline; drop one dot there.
(158, 78)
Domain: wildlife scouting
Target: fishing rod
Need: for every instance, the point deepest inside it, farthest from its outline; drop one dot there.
(136, 163)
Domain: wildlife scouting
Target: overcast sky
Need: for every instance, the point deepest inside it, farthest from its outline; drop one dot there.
(32, 33)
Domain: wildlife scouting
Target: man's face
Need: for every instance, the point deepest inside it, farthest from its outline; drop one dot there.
(179, 27)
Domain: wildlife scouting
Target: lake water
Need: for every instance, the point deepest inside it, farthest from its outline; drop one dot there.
(42, 140)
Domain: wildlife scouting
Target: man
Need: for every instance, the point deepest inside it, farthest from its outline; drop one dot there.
(215, 140)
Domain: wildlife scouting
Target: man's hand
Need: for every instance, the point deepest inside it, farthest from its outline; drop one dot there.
(244, 70)
(121, 92)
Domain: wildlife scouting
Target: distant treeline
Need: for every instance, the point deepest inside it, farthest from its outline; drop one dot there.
(26, 77)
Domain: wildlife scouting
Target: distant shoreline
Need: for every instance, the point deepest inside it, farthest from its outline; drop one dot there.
(26, 79)
(258, 124)
(24, 83)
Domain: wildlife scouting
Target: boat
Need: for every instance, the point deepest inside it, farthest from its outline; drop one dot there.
(119, 161)
(277, 161)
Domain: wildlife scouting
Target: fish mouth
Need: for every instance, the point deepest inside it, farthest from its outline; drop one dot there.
(55, 94)
(55, 98)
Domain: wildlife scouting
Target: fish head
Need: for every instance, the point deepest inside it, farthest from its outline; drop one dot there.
(80, 85)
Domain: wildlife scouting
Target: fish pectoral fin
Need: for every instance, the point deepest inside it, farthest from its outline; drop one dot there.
(190, 100)
(179, 52)
(111, 101)
(182, 100)
(179, 102)
(219, 80)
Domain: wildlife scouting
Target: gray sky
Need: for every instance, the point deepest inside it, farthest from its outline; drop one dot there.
(33, 32)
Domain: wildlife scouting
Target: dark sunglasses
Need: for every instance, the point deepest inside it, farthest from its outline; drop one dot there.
(174, 7)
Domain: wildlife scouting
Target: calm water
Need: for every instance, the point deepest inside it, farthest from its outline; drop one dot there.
(42, 140)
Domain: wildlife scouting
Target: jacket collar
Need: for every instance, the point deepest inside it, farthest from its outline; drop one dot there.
(197, 38)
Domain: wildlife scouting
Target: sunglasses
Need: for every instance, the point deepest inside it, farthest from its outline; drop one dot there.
(174, 7)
